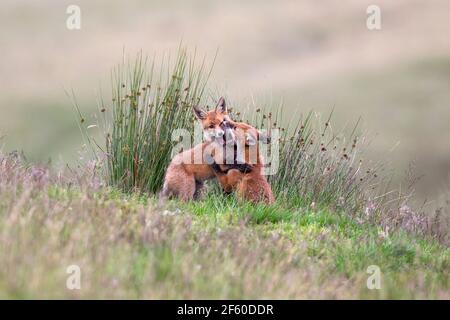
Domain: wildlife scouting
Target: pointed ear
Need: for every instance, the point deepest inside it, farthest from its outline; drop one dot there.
(221, 106)
(199, 113)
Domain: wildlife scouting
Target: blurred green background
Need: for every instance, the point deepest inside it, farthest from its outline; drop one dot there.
(313, 54)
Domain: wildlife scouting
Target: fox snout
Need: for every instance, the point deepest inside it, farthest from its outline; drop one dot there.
(220, 135)
(212, 134)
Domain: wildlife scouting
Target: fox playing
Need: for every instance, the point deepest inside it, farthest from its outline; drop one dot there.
(188, 170)
(249, 183)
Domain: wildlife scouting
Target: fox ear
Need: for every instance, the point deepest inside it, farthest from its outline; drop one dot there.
(221, 106)
(199, 113)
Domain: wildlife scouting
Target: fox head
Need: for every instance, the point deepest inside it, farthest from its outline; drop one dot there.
(215, 123)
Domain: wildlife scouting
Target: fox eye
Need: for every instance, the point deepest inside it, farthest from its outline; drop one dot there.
(211, 126)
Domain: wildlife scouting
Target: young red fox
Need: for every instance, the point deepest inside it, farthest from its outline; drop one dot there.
(189, 169)
(184, 177)
(250, 185)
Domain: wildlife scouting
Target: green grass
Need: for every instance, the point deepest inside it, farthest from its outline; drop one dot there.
(339, 245)
(134, 246)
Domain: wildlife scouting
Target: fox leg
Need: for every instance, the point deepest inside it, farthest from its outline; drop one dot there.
(234, 176)
(237, 179)
(198, 193)
(228, 178)
(227, 187)
(179, 184)
(255, 189)
(187, 189)
(231, 180)
(166, 193)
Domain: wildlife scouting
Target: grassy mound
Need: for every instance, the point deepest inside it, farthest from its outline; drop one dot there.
(132, 247)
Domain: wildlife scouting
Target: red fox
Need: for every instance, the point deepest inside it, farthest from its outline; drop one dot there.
(186, 174)
(250, 184)
(185, 177)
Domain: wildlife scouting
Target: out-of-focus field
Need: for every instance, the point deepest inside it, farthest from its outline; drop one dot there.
(315, 55)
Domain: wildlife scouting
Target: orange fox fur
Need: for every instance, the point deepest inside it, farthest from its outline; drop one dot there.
(251, 186)
(184, 177)
(185, 180)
